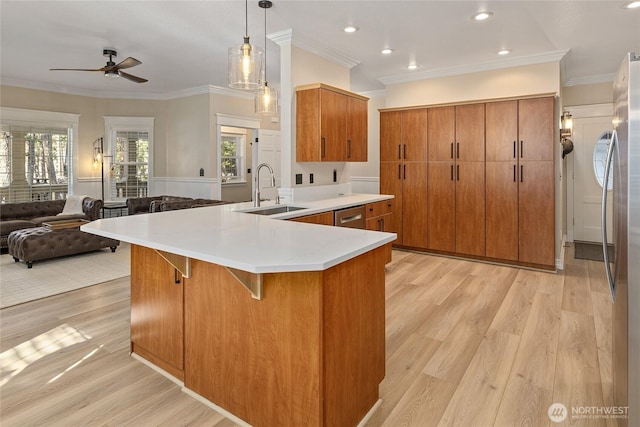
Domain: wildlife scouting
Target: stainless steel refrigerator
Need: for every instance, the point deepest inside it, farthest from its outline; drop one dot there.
(623, 269)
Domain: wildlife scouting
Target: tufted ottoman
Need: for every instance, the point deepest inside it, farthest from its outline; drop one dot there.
(39, 243)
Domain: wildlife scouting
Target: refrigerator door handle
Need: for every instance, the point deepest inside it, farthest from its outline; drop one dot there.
(605, 243)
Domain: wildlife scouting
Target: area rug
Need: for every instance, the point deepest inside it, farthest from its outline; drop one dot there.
(19, 284)
(591, 251)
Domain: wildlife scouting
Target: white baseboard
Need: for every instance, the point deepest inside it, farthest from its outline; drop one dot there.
(560, 261)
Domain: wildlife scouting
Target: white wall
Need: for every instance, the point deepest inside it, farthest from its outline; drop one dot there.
(305, 68)
(365, 176)
(504, 83)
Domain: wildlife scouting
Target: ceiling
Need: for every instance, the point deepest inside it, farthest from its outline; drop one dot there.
(183, 44)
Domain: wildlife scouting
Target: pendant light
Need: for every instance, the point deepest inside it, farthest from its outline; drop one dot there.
(266, 99)
(245, 62)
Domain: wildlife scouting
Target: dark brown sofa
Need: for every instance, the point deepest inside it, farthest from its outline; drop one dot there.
(18, 216)
(138, 205)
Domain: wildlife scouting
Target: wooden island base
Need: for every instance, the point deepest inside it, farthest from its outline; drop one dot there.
(311, 352)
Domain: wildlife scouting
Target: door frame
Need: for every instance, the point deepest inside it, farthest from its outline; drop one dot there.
(580, 112)
(239, 122)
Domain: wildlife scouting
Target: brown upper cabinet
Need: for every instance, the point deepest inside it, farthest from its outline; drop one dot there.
(331, 124)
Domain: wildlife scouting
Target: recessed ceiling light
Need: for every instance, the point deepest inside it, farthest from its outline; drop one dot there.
(350, 29)
(412, 66)
(481, 16)
(387, 51)
(633, 5)
(504, 52)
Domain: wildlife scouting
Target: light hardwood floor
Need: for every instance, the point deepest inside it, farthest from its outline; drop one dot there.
(468, 344)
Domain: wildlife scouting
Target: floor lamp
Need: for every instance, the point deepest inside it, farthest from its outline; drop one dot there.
(98, 158)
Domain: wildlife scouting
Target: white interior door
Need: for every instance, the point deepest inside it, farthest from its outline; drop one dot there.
(587, 191)
(269, 152)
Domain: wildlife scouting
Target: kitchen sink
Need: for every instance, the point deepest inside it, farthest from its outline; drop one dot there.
(272, 210)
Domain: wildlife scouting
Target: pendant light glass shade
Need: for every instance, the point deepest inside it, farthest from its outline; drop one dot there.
(245, 63)
(266, 100)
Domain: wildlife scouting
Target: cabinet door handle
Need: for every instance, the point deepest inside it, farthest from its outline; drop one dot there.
(451, 172)
(457, 150)
(399, 172)
(405, 171)
(514, 173)
(521, 149)
(176, 276)
(323, 147)
(404, 151)
(399, 155)
(348, 148)
(514, 149)
(521, 174)
(457, 172)
(382, 221)
(380, 224)
(452, 150)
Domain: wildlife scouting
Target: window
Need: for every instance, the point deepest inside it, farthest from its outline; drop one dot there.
(600, 150)
(233, 157)
(34, 163)
(130, 169)
(36, 154)
(128, 156)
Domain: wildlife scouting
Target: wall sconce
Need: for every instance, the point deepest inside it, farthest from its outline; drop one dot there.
(566, 130)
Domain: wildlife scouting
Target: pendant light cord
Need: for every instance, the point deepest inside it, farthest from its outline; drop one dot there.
(246, 18)
(265, 46)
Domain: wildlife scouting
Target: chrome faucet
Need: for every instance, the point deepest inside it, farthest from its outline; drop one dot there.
(256, 198)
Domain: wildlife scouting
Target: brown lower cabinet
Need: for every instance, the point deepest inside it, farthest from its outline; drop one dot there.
(311, 352)
(323, 218)
(536, 213)
(379, 217)
(502, 210)
(157, 311)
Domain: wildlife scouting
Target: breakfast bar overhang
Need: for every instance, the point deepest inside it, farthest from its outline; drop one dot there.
(275, 322)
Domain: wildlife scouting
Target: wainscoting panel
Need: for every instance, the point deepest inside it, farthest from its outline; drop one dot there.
(205, 188)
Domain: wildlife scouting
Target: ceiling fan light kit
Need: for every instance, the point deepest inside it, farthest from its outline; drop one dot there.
(112, 69)
(266, 98)
(245, 62)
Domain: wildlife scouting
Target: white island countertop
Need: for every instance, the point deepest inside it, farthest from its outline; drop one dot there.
(249, 242)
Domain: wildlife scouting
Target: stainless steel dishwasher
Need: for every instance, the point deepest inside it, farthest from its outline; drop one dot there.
(350, 217)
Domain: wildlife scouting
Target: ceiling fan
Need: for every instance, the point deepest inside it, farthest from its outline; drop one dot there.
(112, 69)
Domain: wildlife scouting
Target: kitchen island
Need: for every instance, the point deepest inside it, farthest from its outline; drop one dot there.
(272, 322)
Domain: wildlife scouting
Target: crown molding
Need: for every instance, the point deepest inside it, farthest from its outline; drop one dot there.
(166, 96)
(281, 38)
(374, 93)
(554, 56)
(286, 38)
(47, 87)
(577, 81)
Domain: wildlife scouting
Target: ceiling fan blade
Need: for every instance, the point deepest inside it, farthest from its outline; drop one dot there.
(76, 69)
(128, 63)
(132, 78)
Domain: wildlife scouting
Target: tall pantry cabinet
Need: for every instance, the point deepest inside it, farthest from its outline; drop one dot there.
(456, 221)
(520, 181)
(474, 179)
(403, 173)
